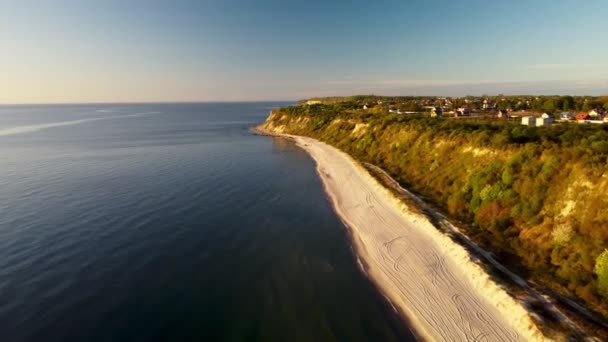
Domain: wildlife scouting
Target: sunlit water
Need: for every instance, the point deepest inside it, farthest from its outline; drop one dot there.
(171, 222)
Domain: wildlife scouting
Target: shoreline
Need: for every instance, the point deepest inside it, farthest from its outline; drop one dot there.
(350, 234)
(440, 292)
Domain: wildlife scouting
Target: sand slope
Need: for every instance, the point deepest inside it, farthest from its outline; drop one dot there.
(430, 278)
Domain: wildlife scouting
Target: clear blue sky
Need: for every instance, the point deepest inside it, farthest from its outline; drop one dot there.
(107, 51)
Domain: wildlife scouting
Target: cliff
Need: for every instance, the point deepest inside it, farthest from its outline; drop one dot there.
(535, 196)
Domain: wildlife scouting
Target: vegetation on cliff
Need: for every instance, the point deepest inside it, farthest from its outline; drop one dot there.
(536, 194)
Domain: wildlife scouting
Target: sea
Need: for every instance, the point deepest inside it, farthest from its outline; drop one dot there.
(172, 222)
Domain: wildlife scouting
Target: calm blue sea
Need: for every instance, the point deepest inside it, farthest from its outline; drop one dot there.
(167, 222)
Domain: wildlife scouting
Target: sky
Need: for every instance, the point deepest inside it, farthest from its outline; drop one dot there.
(64, 51)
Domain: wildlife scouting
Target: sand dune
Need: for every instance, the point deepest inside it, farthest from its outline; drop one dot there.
(424, 273)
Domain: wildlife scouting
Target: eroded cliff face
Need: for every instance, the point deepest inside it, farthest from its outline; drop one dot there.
(542, 204)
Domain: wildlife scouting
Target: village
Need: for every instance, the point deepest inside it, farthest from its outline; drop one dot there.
(525, 110)
(527, 118)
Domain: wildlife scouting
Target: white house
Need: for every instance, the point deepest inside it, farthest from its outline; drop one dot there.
(434, 111)
(545, 120)
(528, 121)
(463, 111)
(594, 114)
(488, 104)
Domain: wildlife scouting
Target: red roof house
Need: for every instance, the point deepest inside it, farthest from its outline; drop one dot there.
(582, 116)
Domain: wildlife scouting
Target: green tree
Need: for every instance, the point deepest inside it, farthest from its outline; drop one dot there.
(549, 105)
(559, 103)
(595, 103)
(585, 107)
(567, 102)
(538, 104)
(601, 269)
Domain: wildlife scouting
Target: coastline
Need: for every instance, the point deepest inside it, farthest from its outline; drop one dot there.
(427, 277)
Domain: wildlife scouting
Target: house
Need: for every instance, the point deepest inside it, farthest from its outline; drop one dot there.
(582, 116)
(464, 110)
(595, 114)
(502, 114)
(566, 116)
(545, 120)
(528, 121)
(313, 102)
(435, 111)
(606, 118)
(488, 104)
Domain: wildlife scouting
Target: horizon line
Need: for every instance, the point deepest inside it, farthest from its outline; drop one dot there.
(271, 100)
(137, 102)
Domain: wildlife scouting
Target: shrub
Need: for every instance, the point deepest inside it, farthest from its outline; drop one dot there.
(601, 269)
(600, 146)
(562, 233)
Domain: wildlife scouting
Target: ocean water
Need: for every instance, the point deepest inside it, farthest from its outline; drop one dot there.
(165, 222)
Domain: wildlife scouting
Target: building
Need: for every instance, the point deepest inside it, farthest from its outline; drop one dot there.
(582, 116)
(606, 118)
(503, 114)
(435, 112)
(595, 114)
(313, 102)
(566, 116)
(545, 120)
(488, 104)
(462, 111)
(528, 121)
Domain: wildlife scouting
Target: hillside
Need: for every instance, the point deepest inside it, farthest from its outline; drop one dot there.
(534, 195)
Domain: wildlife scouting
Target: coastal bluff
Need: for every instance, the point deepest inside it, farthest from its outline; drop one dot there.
(533, 196)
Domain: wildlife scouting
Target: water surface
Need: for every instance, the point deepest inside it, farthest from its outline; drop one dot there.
(171, 222)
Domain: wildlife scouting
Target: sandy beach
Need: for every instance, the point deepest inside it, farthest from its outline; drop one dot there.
(428, 277)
